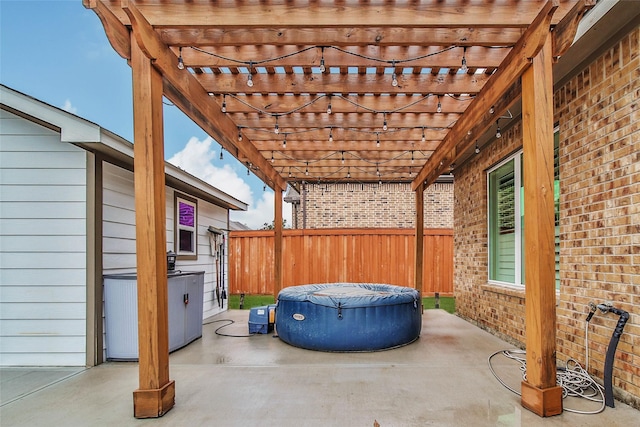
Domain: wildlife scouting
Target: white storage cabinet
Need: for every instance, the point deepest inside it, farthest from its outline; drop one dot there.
(185, 301)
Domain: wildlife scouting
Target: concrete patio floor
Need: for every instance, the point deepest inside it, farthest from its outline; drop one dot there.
(442, 379)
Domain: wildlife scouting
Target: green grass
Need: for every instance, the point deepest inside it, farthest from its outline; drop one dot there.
(250, 301)
(446, 303)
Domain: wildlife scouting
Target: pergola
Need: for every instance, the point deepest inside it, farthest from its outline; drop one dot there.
(343, 91)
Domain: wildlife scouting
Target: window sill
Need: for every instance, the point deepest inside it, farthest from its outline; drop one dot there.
(510, 290)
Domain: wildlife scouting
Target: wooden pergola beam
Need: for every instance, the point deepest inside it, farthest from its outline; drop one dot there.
(189, 96)
(379, 36)
(438, 55)
(516, 62)
(338, 83)
(329, 14)
(540, 393)
(156, 392)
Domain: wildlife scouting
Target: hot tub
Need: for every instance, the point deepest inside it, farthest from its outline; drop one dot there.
(348, 316)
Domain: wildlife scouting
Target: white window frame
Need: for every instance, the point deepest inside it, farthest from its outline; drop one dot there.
(517, 168)
(185, 254)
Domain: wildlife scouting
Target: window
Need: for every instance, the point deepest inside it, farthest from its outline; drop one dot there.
(506, 219)
(186, 226)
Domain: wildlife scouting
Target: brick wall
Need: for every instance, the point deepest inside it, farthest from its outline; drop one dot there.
(599, 124)
(372, 205)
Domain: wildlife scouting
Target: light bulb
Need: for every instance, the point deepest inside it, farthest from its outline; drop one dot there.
(498, 133)
(464, 67)
(277, 129)
(239, 135)
(284, 142)
(492, 110)
(477, 148)
(331, 135)
(343, 157)
(221, 156)
(329, 108)
(384, 125)
(439, 108)
(250, 80)
(394, 80)
(180, 62)
(272, 159)
(224, 106)
(423, 137)
(378, 141)
(322, 67)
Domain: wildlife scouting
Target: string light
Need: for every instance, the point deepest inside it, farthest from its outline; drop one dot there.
(343, 157)
(492, 110)
(412, 156)
(423, 137)
(439, 108)
(477, 148)
(276, 130)
(290, 175)
(248, 168)
(180, 61)
(306, 170)
(331, 135)
(250, 77)
(377, 140)
(394, 77)
(349, 172)
(384, 123)
(221, 150)
(464, 67)
(498, 133)
(329, 106)
(322, 67)
(264, 188)
(284, 142)
(272, 159)
(239, 134)
(224, 103)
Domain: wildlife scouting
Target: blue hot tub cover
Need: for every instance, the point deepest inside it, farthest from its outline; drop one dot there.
(348, 316)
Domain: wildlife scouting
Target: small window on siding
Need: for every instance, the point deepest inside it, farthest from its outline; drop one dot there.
(186, 226)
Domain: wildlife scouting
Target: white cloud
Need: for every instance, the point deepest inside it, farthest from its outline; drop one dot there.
(68, 107)
(196, 158)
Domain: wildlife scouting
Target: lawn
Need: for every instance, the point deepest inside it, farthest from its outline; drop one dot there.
(446, 303)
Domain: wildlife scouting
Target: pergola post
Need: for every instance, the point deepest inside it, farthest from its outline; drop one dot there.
(540, 393)
(419, 261)
(277, 250)
(156, 393)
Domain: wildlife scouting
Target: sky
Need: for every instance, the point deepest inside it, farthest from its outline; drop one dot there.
(57, 51)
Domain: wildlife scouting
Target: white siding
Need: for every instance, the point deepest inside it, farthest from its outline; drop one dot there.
(118, 220)
(42, 246)
(119, 246)
(208, 215)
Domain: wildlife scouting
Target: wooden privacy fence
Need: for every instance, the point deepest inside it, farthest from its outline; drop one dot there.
(340, 255)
